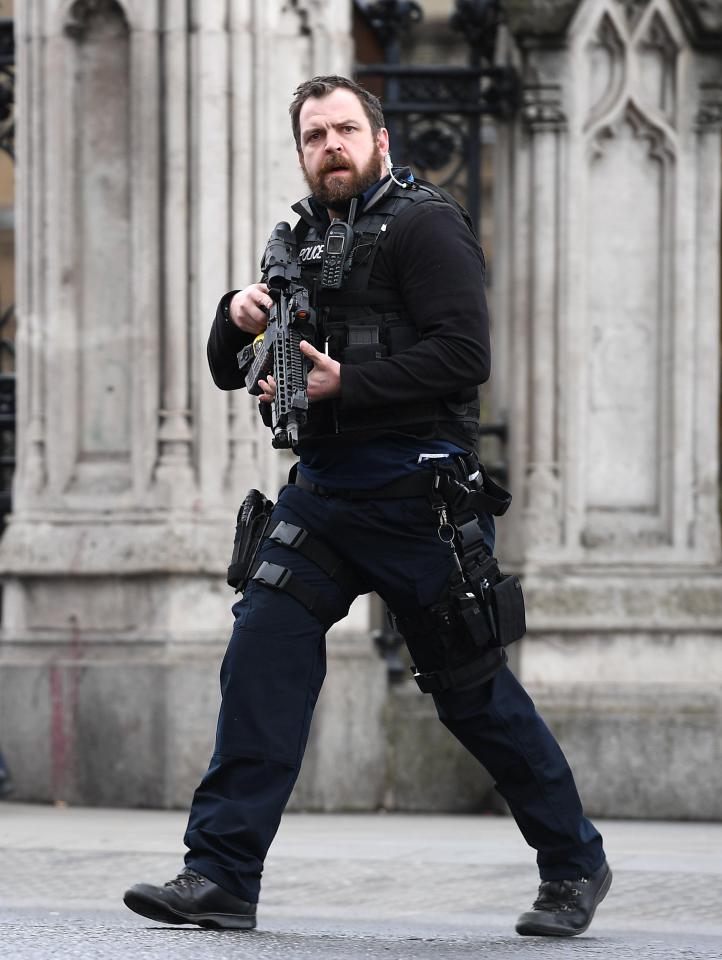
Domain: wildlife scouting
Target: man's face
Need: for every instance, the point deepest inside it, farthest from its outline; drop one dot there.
(339, 156)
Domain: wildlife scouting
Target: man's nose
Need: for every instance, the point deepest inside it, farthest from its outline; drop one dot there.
(333, 143)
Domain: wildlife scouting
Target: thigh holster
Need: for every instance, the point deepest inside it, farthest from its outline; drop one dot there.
(459, 641)
(252, 521)
(453, 642)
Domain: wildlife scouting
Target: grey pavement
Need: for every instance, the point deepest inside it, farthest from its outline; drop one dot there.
(351, 886)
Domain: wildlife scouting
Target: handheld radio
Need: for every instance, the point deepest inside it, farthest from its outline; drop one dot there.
(337, 248)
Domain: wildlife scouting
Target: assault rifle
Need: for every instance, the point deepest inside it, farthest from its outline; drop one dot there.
(291, 320)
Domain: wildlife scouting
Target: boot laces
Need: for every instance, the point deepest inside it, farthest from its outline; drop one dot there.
(187, 878)
(558, 895)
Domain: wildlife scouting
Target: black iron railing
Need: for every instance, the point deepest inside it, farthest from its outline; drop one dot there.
(435, 113)
(7, 87)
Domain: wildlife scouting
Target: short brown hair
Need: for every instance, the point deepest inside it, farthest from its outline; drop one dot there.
(322, 87)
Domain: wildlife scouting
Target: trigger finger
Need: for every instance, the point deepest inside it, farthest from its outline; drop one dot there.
(264, 306)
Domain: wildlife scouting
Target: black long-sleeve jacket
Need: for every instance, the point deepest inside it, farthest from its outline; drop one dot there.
(431, 257)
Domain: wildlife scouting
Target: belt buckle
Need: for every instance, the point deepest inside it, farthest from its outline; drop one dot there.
(288, 534)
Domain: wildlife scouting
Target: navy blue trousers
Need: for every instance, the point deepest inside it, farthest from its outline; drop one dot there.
(273, 671)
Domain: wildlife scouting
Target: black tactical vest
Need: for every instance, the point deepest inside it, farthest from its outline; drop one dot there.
(361, 323)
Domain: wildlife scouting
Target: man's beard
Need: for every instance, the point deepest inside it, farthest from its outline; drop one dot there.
(336, 193)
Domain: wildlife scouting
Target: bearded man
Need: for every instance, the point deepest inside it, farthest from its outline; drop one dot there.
(400, 351)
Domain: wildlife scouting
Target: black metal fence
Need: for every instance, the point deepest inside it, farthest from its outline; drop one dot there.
(435, 113)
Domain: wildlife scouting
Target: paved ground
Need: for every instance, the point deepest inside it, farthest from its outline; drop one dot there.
(351, 887)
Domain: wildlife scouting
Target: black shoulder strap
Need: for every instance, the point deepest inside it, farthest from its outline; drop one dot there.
(451, 200)
(369, 235)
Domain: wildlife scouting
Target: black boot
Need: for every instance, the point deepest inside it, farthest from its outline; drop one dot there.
(565, 908)
(191, 898)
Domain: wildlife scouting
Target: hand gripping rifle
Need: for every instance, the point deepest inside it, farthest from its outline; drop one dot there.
(291, 320)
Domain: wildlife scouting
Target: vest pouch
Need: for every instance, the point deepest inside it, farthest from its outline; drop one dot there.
(507, 602)
(361, 352)
(400, 337)
(363, 343)
(475, 620)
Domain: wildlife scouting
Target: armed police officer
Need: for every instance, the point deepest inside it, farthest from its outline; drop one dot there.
(387, 496)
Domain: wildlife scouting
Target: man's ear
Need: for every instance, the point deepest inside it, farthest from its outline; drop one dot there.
(382, 140)
(301, 164)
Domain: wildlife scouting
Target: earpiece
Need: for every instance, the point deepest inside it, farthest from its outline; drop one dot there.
(390, 167)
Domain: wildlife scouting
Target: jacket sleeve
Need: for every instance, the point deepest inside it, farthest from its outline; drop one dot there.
(437, 264)
(224, 342)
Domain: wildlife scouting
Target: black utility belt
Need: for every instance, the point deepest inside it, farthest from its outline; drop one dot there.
(480, 495)
(415, 485)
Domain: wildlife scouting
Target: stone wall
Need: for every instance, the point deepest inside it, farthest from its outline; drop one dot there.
(154, 153)
(607, 286)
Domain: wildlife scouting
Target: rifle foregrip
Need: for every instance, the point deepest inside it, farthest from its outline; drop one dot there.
(261, 367)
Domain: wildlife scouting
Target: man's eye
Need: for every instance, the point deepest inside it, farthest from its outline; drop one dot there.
(349, 129)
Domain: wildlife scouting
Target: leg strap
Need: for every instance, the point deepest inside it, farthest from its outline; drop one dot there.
(338, 570)
(281, 578)
(477, 671)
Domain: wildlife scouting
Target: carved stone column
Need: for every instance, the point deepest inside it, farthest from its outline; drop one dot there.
(155, 153)
(546, 125)
(610, 216)
(174, 463)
